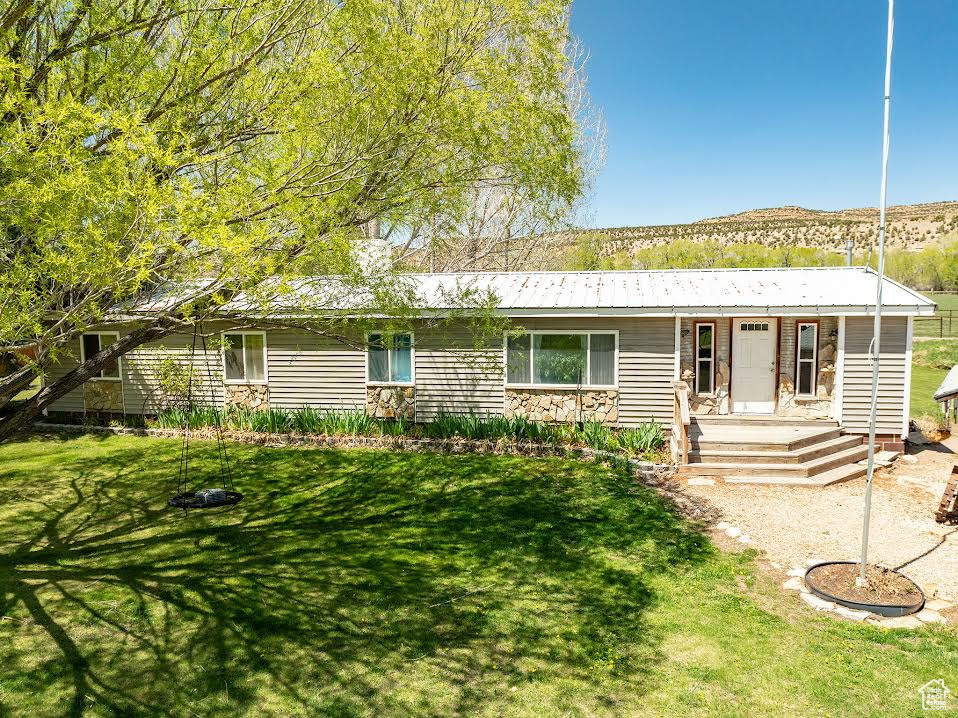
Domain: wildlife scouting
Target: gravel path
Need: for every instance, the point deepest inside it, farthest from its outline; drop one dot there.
(793, 525)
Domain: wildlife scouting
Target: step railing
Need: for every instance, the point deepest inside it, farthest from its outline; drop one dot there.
(680, 423)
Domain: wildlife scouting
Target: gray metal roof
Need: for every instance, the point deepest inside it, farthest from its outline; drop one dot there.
(949, 386)
(688, 292)
(827, 290)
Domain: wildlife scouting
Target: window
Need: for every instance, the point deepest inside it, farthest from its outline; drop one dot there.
(568, 359)
(807, 359)
(90, 344)
(389, 358)
(244, 358)
(752, 327)
(705, 358)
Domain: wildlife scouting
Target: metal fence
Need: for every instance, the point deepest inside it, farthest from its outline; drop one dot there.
(942, 324)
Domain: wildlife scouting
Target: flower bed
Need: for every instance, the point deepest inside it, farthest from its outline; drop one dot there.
(346, 428)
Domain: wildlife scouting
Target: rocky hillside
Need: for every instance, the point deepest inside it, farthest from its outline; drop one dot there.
(909, 226)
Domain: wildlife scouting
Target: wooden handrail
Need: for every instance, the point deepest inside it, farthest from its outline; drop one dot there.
(680, 423)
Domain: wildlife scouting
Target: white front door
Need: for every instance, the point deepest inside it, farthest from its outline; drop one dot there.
(754, 345)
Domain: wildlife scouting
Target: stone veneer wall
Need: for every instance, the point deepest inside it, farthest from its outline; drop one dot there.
(562, 406)
(247, 396)
(717, 403)
(391, 402)
(822, 406)
(105, 396)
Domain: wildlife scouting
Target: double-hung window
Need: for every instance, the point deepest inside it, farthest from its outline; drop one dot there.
(705, 358)
(806, 365)
(92, 343)
(562, 359)
(244, 357)
(389, 358)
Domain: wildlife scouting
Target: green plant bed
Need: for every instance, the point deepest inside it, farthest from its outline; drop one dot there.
(645, 441)
(382, 584)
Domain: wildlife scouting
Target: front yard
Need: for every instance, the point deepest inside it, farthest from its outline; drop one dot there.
(361, 583)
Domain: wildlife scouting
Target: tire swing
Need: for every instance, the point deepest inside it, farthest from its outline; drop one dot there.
(207, 498)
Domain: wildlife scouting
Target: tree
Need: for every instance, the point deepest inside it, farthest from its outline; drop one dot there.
(194, 151)
(507, 224)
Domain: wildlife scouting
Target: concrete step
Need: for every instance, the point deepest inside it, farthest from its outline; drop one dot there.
(839, 474)
(760, 419)
(748, 441)
(776, 469)
(778, 454)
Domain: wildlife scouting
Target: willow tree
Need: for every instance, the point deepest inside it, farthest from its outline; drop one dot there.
(195, 150)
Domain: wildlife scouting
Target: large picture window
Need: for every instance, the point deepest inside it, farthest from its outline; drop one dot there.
(561, 359)
(244, 358)
(389, 358)
(91, 344)
(705, 358)
(806, 369)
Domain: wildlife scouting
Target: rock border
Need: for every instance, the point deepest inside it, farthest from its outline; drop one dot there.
(496, 447)
(930, 613)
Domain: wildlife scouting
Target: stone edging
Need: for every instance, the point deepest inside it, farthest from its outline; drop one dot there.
(796, 582)
(402, 443)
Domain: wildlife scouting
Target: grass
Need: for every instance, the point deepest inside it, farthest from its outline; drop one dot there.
(386, 584)
(29, 391)
(931, 360)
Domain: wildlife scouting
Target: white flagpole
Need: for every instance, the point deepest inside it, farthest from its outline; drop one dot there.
(876, 342)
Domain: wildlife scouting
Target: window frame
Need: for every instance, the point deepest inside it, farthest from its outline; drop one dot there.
(245, 380)
(389, 359)
(799, 360)
(588, 360)
(119, 359)
(696, 359)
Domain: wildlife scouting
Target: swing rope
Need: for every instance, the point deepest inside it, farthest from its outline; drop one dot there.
(211, 497)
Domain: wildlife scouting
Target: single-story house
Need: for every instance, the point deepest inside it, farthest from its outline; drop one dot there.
(604, 345)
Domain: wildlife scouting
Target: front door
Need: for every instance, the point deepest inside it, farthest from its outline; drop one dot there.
(754, 345)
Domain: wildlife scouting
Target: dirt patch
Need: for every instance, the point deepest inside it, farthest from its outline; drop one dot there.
(883, 586)
(798, 525)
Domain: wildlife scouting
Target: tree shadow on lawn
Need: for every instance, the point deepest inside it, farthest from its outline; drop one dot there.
(346, 583)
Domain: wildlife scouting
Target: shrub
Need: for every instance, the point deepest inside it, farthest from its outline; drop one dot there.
(642, 440)
(598, 436)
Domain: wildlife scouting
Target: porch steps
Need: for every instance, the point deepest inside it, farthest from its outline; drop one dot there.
(772, 450)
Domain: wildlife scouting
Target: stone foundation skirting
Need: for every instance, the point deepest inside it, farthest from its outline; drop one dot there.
(563, 407)
(391, 402)
(103, 396)
(247, 396)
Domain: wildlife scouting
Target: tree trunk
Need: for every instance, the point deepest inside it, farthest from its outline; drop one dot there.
(21, 416)
(14, 383)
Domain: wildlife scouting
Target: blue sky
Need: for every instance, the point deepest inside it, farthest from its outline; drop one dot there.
(715, 107)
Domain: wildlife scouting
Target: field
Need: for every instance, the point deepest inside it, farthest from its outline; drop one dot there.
(360, 583)
(931, 360)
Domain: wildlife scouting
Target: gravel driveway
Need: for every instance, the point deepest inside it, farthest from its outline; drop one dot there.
(795, 524)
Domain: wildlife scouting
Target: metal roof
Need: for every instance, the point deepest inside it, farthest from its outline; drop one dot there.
(683, 292)
(949, 386)
(826, 290)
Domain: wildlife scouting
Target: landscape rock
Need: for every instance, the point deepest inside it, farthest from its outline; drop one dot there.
(817, 603)
(853, 614)
(937, 604)
(926, 615)
(722, 525)
(733, 532)
(901, 622)
(798, 572)
(794, 584)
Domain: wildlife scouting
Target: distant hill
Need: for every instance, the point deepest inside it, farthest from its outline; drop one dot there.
(909, 226)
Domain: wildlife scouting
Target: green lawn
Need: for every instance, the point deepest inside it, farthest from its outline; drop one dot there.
(931, 360)
(360, 583)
